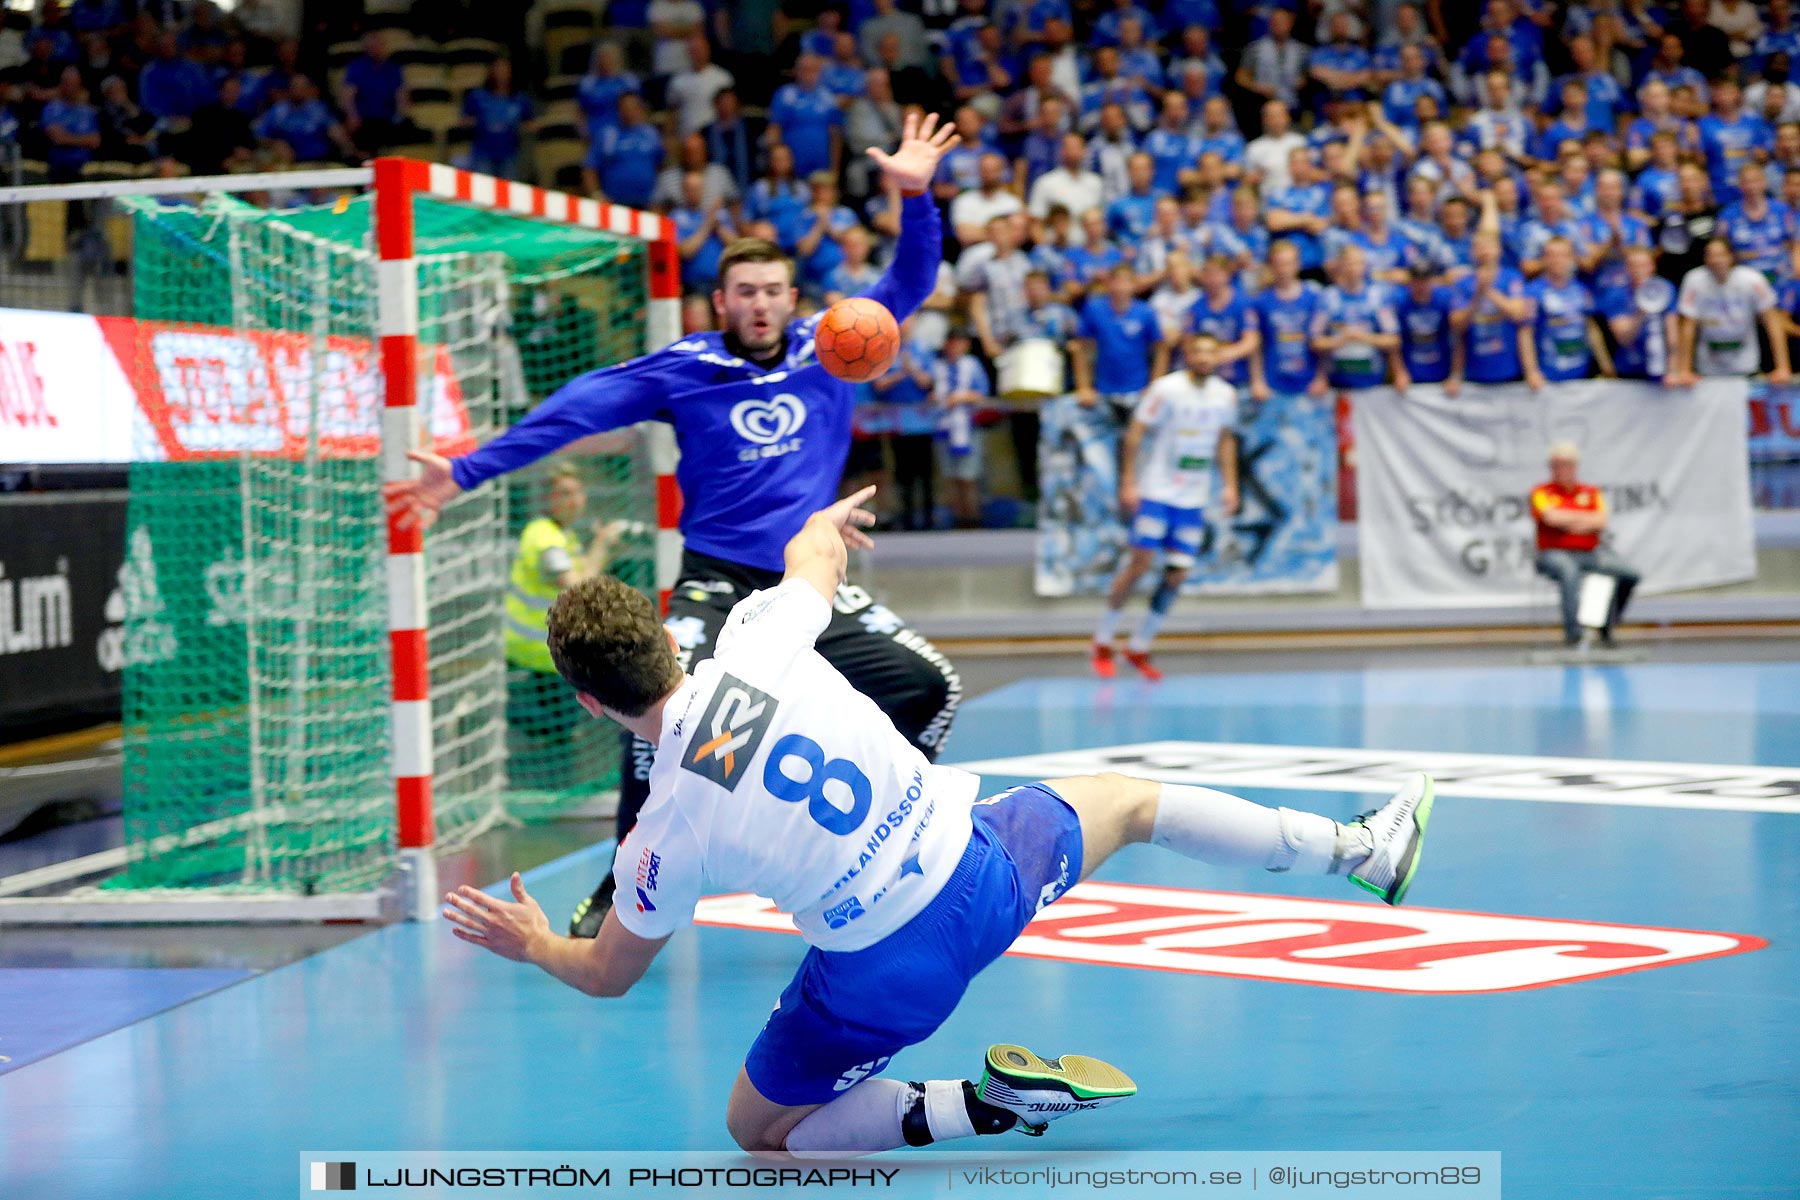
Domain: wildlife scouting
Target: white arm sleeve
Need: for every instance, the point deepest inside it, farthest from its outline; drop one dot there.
(658, 873)
(771, 627)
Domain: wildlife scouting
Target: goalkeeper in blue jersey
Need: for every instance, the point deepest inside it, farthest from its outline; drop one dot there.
(764, 433)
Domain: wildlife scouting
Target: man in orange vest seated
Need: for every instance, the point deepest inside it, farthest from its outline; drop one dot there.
(1570, 517)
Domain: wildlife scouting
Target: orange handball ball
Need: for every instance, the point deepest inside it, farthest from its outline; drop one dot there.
(857, 339)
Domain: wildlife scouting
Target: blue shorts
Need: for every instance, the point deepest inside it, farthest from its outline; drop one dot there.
(848, 1012)
(1176, 531)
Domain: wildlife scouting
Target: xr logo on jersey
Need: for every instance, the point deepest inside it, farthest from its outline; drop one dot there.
(729, 732)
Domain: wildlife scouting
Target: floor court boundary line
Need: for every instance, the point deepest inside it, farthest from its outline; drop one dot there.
(1616, 782)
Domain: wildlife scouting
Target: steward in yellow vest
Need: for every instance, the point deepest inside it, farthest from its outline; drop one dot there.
(550, 558)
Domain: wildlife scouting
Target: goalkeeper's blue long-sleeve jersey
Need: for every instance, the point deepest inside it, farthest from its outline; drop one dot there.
(762, 448)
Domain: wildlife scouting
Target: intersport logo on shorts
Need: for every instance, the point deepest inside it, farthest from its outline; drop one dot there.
(1328, 943)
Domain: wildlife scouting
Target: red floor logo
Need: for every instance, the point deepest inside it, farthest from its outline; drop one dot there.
(1330, 943)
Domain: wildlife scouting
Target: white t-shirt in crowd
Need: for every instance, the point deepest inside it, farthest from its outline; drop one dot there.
(773, 775)
(1725, 316)
(1076, 191)
(1184, 419)
(691, 95)
(977, 208)
(1268, 156)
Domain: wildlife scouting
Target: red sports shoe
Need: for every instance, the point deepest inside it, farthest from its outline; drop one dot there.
(1141, 661)
(1100, 657)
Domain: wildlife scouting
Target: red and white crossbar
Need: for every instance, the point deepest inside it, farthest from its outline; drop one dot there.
(397, 181)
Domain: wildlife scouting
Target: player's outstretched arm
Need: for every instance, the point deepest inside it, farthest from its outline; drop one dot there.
(596, 402)
(418, 501)
(818, 552)
(519, 931)
(912, 275)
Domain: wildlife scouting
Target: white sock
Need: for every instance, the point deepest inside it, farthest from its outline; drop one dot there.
(1147, 631)
(872, 1116)
(866, 1118)
(1229, 831)
(1109, 625)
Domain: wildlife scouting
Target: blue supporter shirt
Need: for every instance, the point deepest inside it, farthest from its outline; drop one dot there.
(1087, 264)
(1355, 364)
(1174, 153)
(1550, 142)
(174, 87)
(1536, 233)
(306, 128)
(1605, 99)
(1106, 28)
(806, 116)
(1312, 200)
(1761, 244)
(1123, 342)
(77, 120)
(1729, 145)
(913, 413)
(770, 200)
(1399, 102)
(377, 87)
(1492, 347)
(1226, 325)
(627, 160)
(1425, 334)
(700, 270)
(844, 80)
(1042, 153)
(1655, 192)
(1641, 130)
(761, 449)
(1596, 232)
(498, 120)
(1130, 217)
(1228, 145)
(1770, 43)
(1388, 254)
(1645, 356)
(1289, 364)
(1560, 327)
(599, 95)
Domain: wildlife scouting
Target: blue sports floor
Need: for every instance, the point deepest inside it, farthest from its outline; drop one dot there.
(1663, 1064)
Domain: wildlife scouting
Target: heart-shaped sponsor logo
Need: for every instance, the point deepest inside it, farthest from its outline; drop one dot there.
(766, 422)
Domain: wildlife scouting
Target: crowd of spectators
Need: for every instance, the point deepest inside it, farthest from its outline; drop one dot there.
(1346, 193)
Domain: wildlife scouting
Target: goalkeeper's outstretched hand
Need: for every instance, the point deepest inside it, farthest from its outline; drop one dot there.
(417, 502)
(922, 142)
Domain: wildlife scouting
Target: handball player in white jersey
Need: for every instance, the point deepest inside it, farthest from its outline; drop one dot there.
(1721, 303)
(1180, 433)
(774, 775)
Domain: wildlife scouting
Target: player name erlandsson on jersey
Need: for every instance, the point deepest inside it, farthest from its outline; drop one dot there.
(1727, 787)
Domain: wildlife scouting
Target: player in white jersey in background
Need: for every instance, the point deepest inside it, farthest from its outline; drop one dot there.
(1180, 431)
(1720, 305)
(774, 775)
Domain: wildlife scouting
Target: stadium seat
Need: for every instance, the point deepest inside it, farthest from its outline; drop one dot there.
(552, 155)
(47, 230)
(104, 169)
(559, 87)
(340, 54)
(424, 151)
(574, 59)
(560, 112)
(434, 110)
(562, 38)
(463, 73)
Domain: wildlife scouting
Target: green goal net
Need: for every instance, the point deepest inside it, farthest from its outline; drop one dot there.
(254, 598)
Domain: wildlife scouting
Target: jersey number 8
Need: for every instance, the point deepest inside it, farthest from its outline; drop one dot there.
(829, 816)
